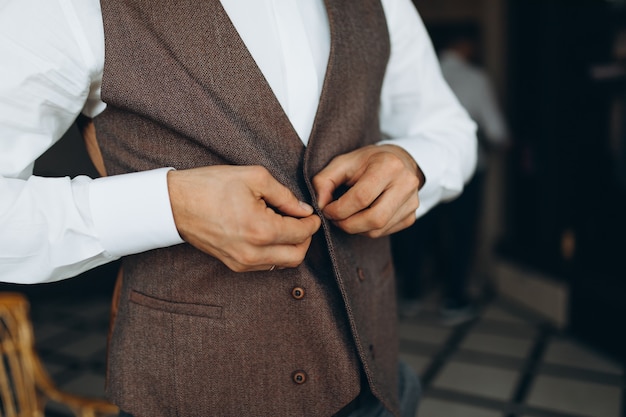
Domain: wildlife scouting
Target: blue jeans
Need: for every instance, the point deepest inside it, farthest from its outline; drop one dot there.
(409, 396)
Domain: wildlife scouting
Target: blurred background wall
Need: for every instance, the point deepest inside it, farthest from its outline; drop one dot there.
(553, 228)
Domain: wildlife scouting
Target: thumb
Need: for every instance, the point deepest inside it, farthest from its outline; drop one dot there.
(329, 179)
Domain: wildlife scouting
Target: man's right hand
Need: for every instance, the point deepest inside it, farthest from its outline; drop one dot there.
(242, 216)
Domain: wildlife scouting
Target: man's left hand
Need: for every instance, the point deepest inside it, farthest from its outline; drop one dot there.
(383, 181)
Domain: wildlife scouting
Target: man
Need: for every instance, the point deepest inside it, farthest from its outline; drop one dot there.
(281, 301)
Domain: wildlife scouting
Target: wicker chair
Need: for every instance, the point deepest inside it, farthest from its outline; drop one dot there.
(25, 386)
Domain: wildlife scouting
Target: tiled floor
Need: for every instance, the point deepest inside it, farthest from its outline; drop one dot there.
(504, 364)
(508, 363)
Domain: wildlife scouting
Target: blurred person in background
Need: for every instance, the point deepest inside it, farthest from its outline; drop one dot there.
(451, 228)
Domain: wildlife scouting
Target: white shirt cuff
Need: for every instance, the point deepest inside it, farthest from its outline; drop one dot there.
(132, 212)
(432, 158)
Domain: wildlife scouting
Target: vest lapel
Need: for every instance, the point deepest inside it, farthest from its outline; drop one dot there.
(351, 67)
(203, 61)
(235, 81)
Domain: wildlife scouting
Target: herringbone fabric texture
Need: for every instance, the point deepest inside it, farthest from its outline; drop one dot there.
(193, 338)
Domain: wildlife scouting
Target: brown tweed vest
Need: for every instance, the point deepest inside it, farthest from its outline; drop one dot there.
(193, 338)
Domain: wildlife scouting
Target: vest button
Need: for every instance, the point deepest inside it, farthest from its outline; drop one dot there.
(297, 293)
(299, 377)
(361, 274)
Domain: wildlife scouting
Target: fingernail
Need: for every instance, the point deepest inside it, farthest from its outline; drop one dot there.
(306, 206)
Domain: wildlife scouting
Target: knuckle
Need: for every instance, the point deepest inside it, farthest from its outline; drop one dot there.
(296, 258)
(380, 216)
(299, 258)
(259, 232)
(338, 159)
(391, 161)
(395, 161)
(346, 226)
(318, 180)
(312, 224)
(301, 239)
(260, 174)
(413, 182)
(236, 267)
(415, 203)
(409, 221)
(378, 222)
(258, 239)
(246, 257)
(292, 264)
(296, 261)
(261, 236)
(362, 197)
(376, 233)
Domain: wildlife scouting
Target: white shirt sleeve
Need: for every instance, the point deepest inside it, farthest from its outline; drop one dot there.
(54, 228)
(420, 113)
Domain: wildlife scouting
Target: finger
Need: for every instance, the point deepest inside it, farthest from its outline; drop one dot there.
(391, 208)
(278, 196)
(341, 170)
(264, 258)
(270, 240)
(365, 221)
(362, 195)
(393, 227)
(403, 217)
(285, 230)
(408, 221)
(324, 188)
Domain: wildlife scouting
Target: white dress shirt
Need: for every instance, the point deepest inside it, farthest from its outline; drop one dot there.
(51, 70)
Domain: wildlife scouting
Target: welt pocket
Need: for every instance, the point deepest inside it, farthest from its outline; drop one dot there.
(190, 309)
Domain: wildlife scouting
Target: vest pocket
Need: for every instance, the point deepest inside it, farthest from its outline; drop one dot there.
(189, 309)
